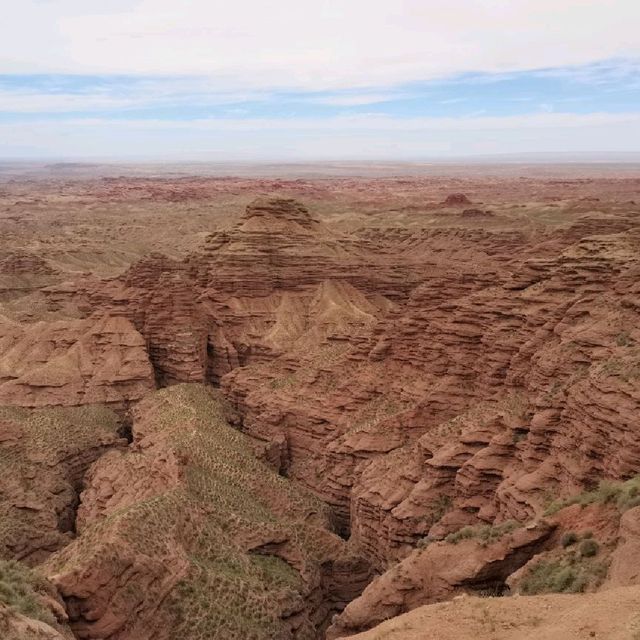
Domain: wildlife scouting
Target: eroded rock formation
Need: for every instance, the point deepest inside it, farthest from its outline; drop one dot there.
(44, 454)
(459, 369)
(186, 534)
(514, 387)
(30, 607)
(72, 362)
(439, 572)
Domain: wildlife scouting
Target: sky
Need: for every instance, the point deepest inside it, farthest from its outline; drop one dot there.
(318, 80)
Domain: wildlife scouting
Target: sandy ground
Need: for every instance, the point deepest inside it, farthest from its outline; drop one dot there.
(608, 615)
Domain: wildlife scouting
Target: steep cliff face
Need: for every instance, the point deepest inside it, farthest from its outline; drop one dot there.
(493, 387)
(330, 409)
(159, 298)
(441, 571)
(545, 384)
(585, 543)
(257, 281)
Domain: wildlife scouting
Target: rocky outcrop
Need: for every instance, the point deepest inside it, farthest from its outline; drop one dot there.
(456, 199)
(30, 608)
(186, 533)
(44, 454)
(71, 362)
(440, 571)
(624, 569)
(484, 393)
(159, 298)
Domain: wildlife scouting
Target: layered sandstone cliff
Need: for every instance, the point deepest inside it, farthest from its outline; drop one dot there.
(71, 362)
(484, 390)
(277, 281)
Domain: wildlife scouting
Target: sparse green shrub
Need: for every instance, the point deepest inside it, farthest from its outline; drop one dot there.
(18, 589)
(563, 579)
(589, 548)
(486, 534)
(623, 339)
(540, 578)
(441, 506)
(423, 543)
(569, 539)
(462, 534)
(549, 577)
(571, 572)
(624, 495)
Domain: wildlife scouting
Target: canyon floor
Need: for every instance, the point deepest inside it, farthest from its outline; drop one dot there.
(323, 401)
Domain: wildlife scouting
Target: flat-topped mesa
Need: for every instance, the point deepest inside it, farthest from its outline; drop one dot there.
(278, 214)
(456, 199)
(277, 244)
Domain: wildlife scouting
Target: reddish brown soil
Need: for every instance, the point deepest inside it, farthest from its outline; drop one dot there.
(424, 354)
(611, 615)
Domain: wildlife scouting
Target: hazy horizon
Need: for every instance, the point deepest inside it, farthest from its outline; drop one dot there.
(552, 158)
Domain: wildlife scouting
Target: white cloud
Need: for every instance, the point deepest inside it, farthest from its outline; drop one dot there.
(355, 99)
(34, 102)
(345, 137)
(146, 94)
(375, 122)
(159, 93)
(313, 44)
